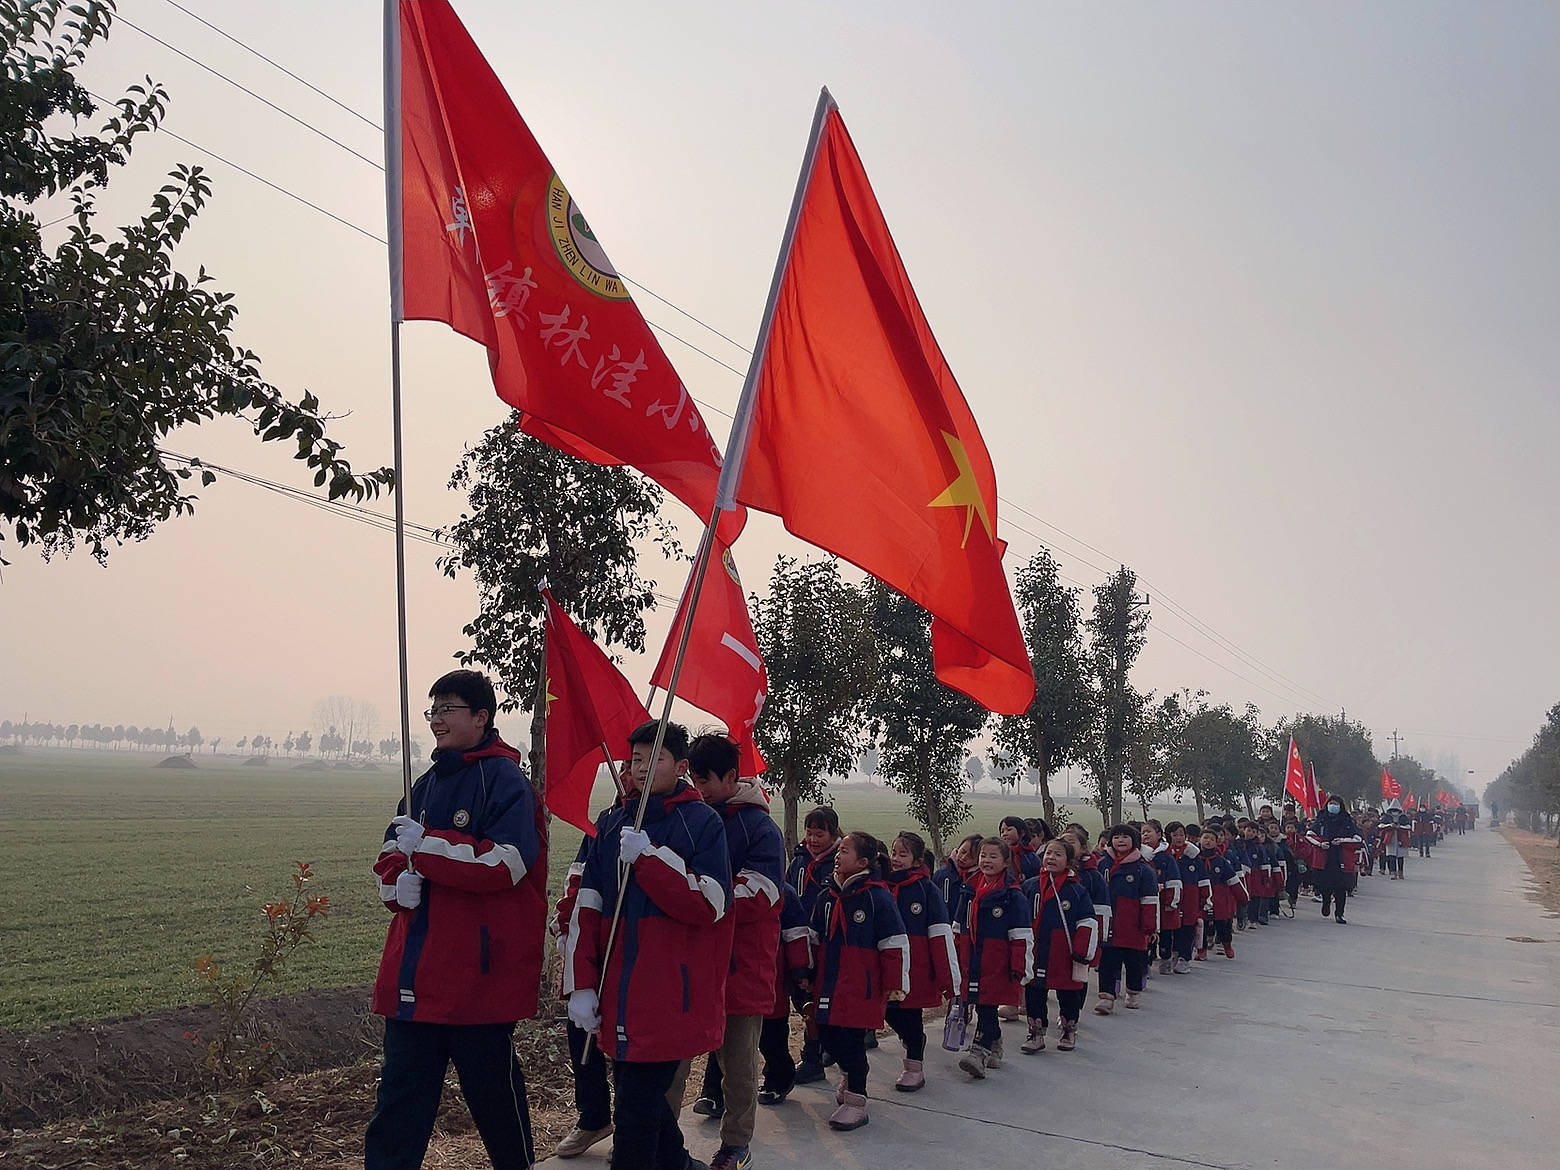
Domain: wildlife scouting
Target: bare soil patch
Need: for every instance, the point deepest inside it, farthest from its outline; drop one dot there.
(1543, 859)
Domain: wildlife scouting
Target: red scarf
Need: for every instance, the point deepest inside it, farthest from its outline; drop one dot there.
(983, 886)
(1115, 861)
(1051, 886)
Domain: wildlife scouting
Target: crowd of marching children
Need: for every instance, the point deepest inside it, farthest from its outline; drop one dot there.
(685, 933)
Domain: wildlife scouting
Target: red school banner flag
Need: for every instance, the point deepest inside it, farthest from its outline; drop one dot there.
(492, 243)
(723, 672)
(853, 430)
(591, 709)
(1410, 803)
(1295, 781)
(1390, 788)
(1313, 791)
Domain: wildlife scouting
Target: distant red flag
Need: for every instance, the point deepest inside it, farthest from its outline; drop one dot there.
(1409, 802)
(723, 672)
(1390, 788)
(494, 245)
(1444, 798)
(1313, 792)
(854, 432)
(1295, 783)
(591, 708)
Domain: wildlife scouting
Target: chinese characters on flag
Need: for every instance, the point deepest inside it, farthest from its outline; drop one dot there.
(1390, 788)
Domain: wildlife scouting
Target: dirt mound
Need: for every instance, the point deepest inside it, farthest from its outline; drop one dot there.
(256, 762)
(310, 766)
(175, 762)
(78, 1070)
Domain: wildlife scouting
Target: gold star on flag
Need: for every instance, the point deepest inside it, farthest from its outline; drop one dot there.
(963, 492)
(549, 696)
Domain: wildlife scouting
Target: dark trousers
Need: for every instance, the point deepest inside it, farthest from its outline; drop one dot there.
(1037, 997)
(848, 1046)
(1258, 912)
(1185, 936)
(1292, 886)
(774, 1044)
(909, 1026)
(711, 1087)
(1341, 894)
(592, 1092)
(646, 1135)
(1222, 930)
(988, 1026)
(1113, 960)
(416, 1056)
(1166, 944)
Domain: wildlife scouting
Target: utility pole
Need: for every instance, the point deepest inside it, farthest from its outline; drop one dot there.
(1394, 743)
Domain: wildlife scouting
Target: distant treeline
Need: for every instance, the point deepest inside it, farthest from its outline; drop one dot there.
(129, 737)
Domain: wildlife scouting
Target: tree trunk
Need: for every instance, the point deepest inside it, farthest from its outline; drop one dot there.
(1043, 756)
(791, 795)
(1251, 813)
(1198, 797)
(933, 820)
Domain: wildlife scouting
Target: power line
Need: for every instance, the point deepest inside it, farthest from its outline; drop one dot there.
(1174, 608)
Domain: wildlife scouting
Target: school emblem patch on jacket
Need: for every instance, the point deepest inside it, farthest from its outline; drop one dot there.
(461, 819)
(859, 916)
(915, 907)
(996, 911)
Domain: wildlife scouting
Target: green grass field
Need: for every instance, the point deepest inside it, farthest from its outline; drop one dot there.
(117, 875)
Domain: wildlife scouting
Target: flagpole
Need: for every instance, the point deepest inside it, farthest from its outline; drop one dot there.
(393, 218)
(742, 421)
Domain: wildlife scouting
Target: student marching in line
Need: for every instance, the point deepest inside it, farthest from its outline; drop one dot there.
(1229, 893)
(792, 960)
(1167, 871)
(1196, 894)
(957, 871)
(1014, 831)
(1066, 941)
(1294, 849)
(996, 945)
(861, 962)
(1133, 922)
(1283, 864)
(1335, 838)
(1260, 883)
(1396, 831)
(809, 874)
(934, 962)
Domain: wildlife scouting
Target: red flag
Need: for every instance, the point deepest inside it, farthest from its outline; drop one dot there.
(1444, 798)
(1390, 788)
(1409, 802)
(496, 247)
(723, 672)
(1295, 780)
(591, 708)
(1313, 792)
(854, 431)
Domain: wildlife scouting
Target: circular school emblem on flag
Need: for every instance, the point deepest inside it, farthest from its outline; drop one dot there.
(859, 916)
(996, 912)
(731, 565)
(915, 907)
(578, 248)
(462, 818)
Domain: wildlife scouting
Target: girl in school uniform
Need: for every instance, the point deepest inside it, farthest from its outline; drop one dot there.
(860, 962)
(1167, 870)
(957, 872)
(934, 963)
(809, 874)
(1133, 921)
(1066, 940)
(996, 945)
(1229, 894)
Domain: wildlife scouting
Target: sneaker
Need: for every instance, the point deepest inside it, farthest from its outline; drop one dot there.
(709, 1107)
(1182, 967)
(808, 1073)
(1201, 956)
(1165, 966)
(1229, 950)
(579, 1140)
(767, 1096)
(1341, 920)
(732, 1158)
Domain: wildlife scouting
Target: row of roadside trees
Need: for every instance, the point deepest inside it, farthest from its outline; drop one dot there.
(330, 744)
(1530, 785)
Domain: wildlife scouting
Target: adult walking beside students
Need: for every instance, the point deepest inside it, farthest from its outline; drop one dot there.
(1335, 836)
(464, 872)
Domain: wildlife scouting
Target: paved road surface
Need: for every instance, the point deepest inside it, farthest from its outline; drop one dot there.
(1419, 1035)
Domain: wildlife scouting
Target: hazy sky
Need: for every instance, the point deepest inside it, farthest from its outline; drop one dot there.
(1260, 299)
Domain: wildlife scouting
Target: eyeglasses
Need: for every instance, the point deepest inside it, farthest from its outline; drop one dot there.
(444, 709)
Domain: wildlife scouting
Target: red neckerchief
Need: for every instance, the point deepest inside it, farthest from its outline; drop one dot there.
(1051, 886)
(983, 886)
(912, 875)
(1115, 862)
(860, 880)
(1178, 851)
(807, 870)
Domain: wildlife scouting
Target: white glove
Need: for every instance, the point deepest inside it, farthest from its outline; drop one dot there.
(632, 843)
(585, 1010)
(408, 890)
(408, 834)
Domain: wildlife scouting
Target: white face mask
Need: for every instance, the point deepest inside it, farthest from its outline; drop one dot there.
(1333, 808)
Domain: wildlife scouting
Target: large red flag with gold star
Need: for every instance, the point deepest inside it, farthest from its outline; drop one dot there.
(861, 441)
(591, 708)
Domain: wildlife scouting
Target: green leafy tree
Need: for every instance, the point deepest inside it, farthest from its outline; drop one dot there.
(815, 635)
(193, 738)
(975, 771)
(921, 727)
(105, 346)
(304, 742)
(1340, 749)
(537, 514)
(1118, 631)
(1053, 732)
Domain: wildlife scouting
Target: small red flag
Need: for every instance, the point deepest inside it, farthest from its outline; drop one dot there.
(854, 431)
(591, 709)
(1295, 781)
(1390, 788)
(723, 672)
(1409, 802)
(495, 246)
(1313, 791)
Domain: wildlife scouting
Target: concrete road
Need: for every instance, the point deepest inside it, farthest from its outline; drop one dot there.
(1423, 1034)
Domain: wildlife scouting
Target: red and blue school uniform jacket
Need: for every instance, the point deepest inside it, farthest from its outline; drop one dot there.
(1095, 886)
(996, 942)
(1324, 829)
(1133, 900)
(1259, 870)
(860, 952)
(472, 951)
(664, 992)
(1196, 886)
(934, 960)
(809, 876)
(951, 883)
(1066, 929)
(1167, 872)
(756, 851)
(1027, 861)
(1395, 828)
(794, 955)
(1229, 889)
